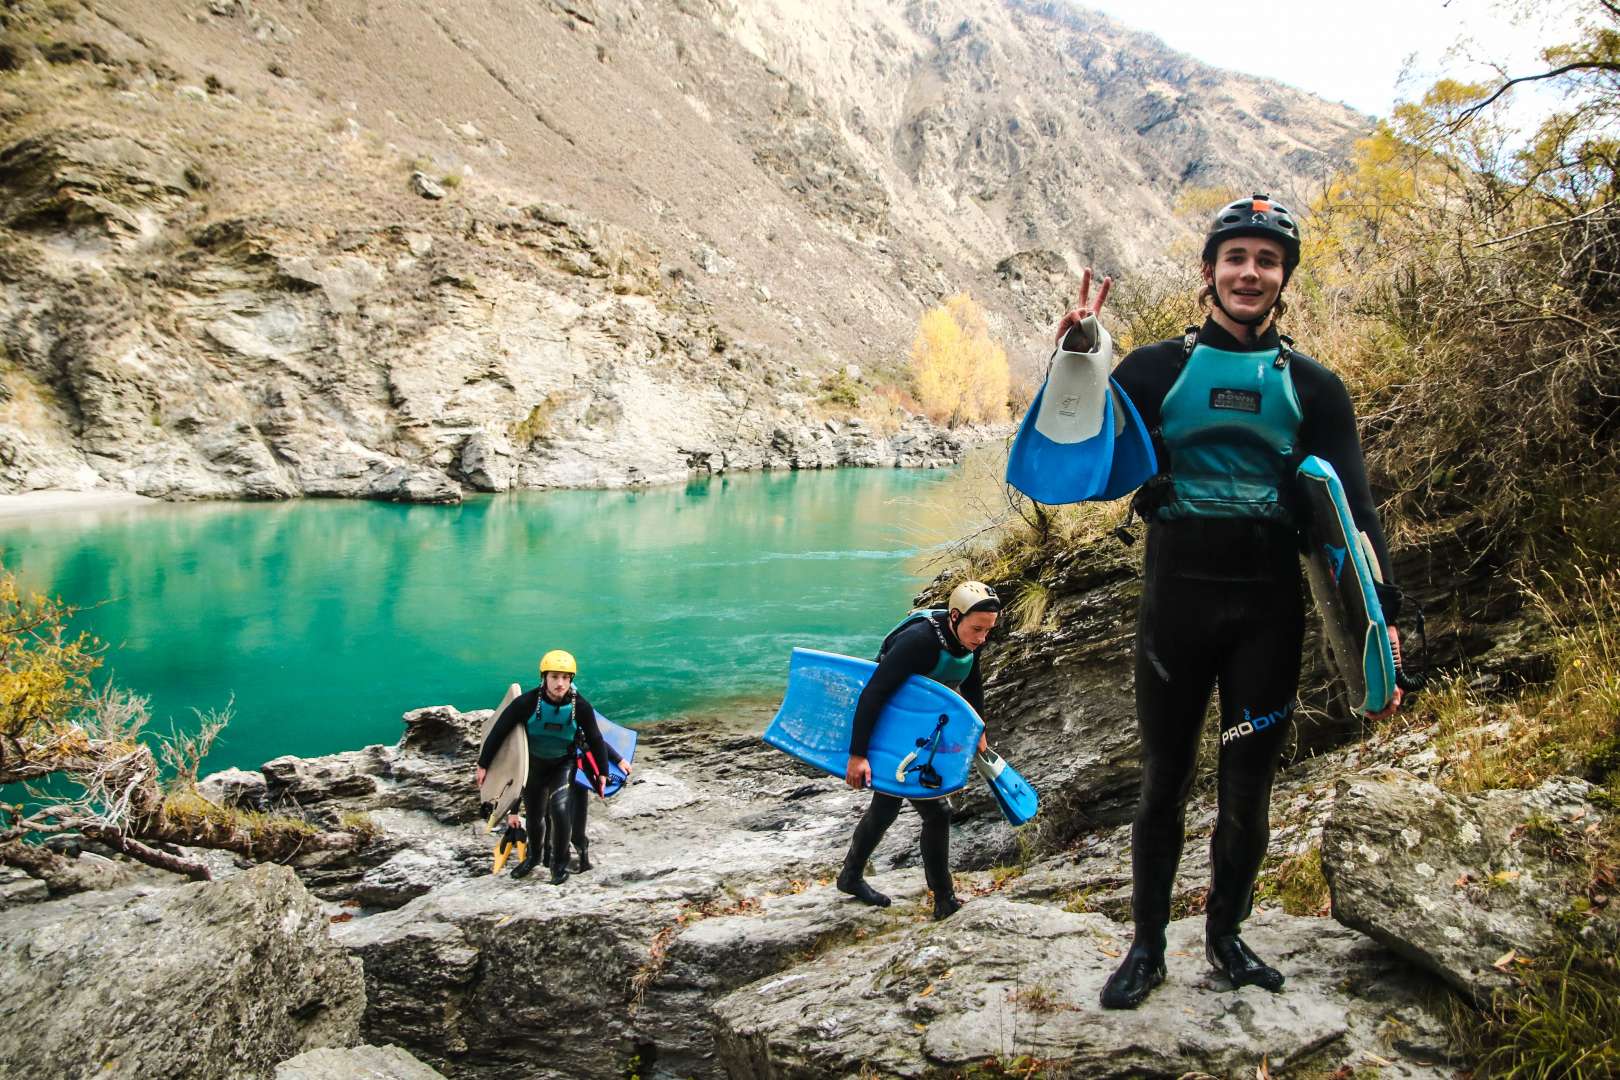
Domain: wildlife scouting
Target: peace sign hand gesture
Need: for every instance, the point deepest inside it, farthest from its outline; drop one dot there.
(1084, 309)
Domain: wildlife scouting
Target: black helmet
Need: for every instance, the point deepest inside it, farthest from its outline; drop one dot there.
(1256, 216)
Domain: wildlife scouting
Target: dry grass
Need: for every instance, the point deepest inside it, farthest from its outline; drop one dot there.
(1296, 884)
(1028, 609)
(1570, 725)
(537, 424)
(1031, 534)
(1563, 1022)
(1485, 375)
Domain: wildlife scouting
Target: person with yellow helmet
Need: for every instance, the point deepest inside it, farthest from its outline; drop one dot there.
(942, 645)
(562, 731)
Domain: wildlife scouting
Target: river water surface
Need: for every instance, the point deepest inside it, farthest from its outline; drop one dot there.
(320, 622)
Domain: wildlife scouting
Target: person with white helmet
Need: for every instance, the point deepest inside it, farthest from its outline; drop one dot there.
(943, 646)
(1233, 410)
(563, 733)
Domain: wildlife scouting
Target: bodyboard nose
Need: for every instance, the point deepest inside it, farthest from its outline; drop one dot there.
(1342, 586)
(817, 717)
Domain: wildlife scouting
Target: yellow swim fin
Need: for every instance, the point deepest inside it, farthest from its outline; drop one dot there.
(513, 837)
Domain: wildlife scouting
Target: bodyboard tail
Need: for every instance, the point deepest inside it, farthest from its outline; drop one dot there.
(1133, 462)
(1016, 796)
(623, 740)
(818, 712)
(1342, 585)
(508, 771)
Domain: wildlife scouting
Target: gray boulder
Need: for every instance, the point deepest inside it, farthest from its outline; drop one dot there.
(356, 1063)
(236, 788)
(218, 979)
(1060, 698)
(511, 979)
(501, 979)
(486, 461)
(425, 186)
(411, 483)
(17, 887)
(1003, 981)
(1466, 885)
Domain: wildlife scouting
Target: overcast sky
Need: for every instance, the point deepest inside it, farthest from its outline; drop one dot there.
(1352, 51)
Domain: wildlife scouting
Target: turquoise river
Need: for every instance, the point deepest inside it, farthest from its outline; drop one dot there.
(320, 622)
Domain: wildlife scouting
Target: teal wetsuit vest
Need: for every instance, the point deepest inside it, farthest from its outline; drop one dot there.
(1230, 426)
(949, 669)
(552, 729)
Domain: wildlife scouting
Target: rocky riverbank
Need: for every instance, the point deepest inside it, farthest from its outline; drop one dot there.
(708, 940)
(475, 353)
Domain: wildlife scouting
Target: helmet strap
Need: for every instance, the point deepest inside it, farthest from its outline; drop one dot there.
(1252, 323)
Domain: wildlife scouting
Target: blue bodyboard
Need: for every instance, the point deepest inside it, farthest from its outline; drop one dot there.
(1055, 472)
(1340, 570)
(818, 715)
(1016, 796)
(623, 740)
(1134, 461)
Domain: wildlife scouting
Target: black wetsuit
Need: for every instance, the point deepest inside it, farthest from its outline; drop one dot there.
(1223, 604)
(578, 808)
(914, 650)
(546, 795)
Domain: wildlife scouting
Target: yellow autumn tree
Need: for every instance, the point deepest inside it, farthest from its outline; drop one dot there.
(101, 778)
(960, 372)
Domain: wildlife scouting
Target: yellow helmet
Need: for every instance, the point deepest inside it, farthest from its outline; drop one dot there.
(558, 660)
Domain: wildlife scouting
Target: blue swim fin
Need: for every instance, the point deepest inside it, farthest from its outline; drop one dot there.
(1065, 443)
(1134, 461)
(1017, 799)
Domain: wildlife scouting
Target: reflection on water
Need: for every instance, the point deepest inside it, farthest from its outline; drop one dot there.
(326, 620)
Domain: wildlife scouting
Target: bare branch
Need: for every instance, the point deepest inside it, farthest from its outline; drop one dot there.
(1456, 123)
(175, 864)
(1543, 228)
(183, 753)
(60, 874)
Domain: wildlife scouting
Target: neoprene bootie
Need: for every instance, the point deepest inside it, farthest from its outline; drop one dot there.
(945, 906)
(524, 868)
(860, 890)
(584, 861)
(559, 874)
(1231, 957)
(1137, 975)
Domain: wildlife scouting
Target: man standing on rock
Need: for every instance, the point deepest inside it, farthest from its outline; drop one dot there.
(555, 716)
(942, 646)
(1221, 600)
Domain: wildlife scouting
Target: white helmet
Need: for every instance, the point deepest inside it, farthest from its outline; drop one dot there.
(971, 596)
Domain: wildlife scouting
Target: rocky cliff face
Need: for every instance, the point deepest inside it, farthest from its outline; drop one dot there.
(262, 249)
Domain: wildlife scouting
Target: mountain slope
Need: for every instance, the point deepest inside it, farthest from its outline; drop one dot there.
(662, 227)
